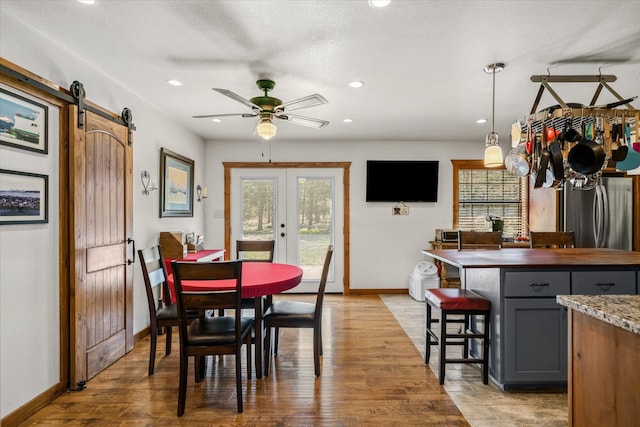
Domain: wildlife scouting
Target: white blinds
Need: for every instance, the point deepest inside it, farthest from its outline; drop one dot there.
(495, 192)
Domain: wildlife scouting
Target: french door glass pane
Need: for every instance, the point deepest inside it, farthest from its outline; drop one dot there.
(258, 219)
(315, 223)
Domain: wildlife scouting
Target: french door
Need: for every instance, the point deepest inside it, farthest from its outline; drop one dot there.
(302, 209)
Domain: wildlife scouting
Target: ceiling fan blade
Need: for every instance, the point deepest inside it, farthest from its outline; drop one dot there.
(209, 116)
(238, 98)
(306, 102)
(304, 121)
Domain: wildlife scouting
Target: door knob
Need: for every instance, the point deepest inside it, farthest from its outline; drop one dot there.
(281, 234)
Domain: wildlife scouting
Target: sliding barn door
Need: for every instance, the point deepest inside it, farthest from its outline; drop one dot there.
(101, 221)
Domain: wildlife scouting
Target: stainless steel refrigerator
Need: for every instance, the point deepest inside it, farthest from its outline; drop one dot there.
(601, 217)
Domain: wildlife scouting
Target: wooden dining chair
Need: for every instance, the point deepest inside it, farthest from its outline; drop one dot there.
(552, 239)
(255, 250)
(479, 239)
(210, 335)
(165, 314)
(291, 314)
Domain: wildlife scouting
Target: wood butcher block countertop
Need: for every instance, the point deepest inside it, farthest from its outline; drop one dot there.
(519, 257)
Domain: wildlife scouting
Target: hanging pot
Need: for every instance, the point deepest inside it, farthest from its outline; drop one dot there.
(620, 153)
(517, 161)
(586, 157)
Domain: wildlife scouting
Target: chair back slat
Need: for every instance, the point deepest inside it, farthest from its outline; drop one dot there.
(157, 277)
(479, 239)
(552, 239)
(255, 250)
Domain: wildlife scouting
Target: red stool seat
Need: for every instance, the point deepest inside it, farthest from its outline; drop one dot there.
(452, 301)
(456, 299)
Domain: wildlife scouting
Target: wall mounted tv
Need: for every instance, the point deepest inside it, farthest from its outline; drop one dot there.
(402, 181)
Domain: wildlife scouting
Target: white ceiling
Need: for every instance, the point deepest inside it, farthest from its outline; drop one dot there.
(421, 61)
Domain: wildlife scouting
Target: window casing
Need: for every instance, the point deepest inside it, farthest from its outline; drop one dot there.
(480, 192)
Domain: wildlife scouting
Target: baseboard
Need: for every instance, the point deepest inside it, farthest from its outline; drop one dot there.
(378, 291)
(34, 405)
(137, 337)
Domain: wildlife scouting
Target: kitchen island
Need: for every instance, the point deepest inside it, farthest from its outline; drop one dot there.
(528, 347)
(604, 364)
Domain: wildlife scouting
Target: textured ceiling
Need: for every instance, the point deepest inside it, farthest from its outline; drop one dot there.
(421, 61)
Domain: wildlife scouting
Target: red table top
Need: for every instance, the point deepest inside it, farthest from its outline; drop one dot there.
(258, 279)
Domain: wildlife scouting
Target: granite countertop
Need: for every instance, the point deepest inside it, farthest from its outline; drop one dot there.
(622, 311)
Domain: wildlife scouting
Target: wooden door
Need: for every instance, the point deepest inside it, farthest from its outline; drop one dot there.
(101, 222)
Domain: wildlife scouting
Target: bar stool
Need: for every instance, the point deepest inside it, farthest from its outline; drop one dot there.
(451, 301)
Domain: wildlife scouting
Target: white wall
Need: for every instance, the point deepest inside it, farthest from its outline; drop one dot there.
(29, 352)
(384, 247)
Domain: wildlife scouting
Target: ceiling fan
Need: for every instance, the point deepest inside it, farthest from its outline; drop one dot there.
(267, 107)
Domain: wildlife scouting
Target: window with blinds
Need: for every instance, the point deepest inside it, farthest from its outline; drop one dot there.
(483, 192)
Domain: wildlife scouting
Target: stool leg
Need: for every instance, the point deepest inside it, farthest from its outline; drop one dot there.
(442, 346)
(427, 337)
(485, 350)
(465, 341)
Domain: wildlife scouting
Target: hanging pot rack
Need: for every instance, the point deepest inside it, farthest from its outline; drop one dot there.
(557, 115)
(577, 117)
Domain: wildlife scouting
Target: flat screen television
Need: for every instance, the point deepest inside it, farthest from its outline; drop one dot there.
(402, 181)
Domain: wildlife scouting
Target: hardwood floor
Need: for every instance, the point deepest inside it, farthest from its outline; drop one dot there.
(372, 375)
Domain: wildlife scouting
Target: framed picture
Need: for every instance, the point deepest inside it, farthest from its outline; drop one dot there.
(24, 197)
(23, 123)
(176, 184)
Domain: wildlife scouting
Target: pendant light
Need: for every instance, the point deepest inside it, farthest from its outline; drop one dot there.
(493, 152)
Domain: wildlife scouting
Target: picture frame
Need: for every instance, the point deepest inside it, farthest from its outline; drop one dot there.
(176, 185)
(24, 197)
(24, 123)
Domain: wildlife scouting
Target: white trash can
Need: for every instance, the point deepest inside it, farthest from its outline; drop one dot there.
(424, 275)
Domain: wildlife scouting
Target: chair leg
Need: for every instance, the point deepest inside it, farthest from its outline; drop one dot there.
(152, 349)
(182, 388)
(167, 350)
(248, 343)
(275, 340)
(239, 377)
(317, 344)
(267, 351)
(320, 335)
(442, 347)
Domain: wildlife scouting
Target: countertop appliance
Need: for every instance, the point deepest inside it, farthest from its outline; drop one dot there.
(601, 217)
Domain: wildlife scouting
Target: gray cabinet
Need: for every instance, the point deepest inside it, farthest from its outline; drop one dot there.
(535, 341)
(529, 329)
(535, 327)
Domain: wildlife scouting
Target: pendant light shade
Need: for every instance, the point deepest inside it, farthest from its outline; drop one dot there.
(493, 152)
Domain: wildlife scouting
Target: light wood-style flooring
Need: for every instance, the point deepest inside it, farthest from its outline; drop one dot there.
(482, 405)
(372, 375)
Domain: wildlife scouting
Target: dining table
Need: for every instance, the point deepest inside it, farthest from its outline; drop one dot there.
(259, 279)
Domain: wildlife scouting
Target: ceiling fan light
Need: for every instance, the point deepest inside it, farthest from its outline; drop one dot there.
(266, 129)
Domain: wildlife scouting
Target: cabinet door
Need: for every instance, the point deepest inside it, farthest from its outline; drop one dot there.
(535, 341)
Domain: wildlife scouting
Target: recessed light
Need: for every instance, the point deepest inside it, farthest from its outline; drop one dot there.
(379, 3)
(174, 82)
(216, 120)
(356, 83)
(348, 120)
(87, 1)
(481, 121)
